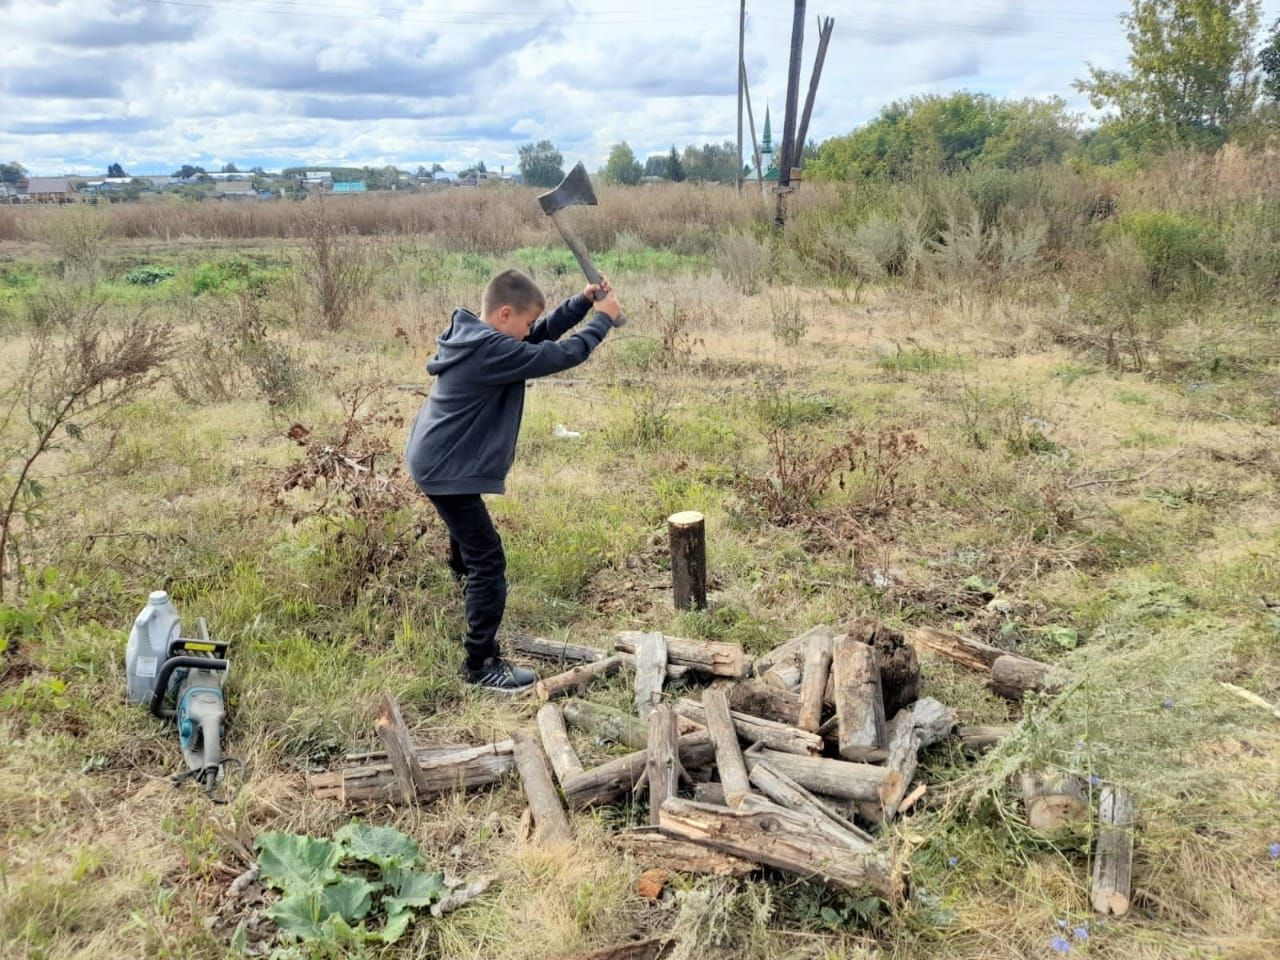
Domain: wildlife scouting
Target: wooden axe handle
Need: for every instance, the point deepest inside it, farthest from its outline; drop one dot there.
(580, 254)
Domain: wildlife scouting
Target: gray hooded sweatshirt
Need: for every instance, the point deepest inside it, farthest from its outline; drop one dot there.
(464, 437)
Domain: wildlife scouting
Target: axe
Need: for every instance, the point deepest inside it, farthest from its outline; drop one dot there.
(574, 191)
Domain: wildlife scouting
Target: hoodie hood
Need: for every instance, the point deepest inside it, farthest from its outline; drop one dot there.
(466, 334)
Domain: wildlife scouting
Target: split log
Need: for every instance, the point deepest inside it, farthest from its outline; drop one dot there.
(859, 700)
(654, 948)
(709, 793)
(899, 666)
(1113, 855)
(395, 738)
(979, 739)
(1013, 676)
(687, 532)
(834, 778)
(791, 651)
(555, 741)
(675, 671)
(813, 681)
(964, 650)
(572, 681)
(651, 671)
(612, 725)
(1053, 800)
(752, 730)
(933, 720)
(717, 659)
(904, 748)
(618, 777)
(764, 832)
(786, 672)
(662, 764)
(653, 849)
(733, 771)
(756, 698)
(551, 826)
(446, 770)
(553, 650)
(782, 790)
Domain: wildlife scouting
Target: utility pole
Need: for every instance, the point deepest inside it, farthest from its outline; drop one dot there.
(751, 124)
(824, 37)
(789, 123)
(742, 38)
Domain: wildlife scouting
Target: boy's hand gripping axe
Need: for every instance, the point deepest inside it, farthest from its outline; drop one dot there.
(574, 191)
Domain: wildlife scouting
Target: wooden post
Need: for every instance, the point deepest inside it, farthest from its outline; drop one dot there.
(972, 653)
(733, 771)
(553, 650)
(824, 37)
(903, 739)
(766, 833)
(859, 700)
(742, 42)
(1014, 676)
(789, 120)
(617, 778)
(755, 146)
(662, 765)
(833, 778)
(781, 789)
(688, 540)
(550, 823)
(652, 849)
(572, 681)
(752, 730)
(446, 769)
(555, 741)
(714, 658)
(1113, 854)
(651, 671)
(813, 682)
(395, 739)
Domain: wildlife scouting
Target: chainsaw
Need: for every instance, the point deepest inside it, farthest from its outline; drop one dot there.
(182, 680)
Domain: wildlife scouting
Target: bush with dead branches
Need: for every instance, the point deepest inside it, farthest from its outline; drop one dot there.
(334, 264)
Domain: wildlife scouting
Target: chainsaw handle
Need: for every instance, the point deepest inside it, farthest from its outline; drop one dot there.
(166, 674)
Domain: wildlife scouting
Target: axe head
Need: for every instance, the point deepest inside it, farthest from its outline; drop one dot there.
(574, 191)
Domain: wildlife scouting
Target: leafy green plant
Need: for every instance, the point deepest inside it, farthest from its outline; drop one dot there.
(333, 888)
(149, 275)
(1177, 249)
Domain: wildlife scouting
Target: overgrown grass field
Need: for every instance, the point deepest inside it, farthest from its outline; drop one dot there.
(979, 405)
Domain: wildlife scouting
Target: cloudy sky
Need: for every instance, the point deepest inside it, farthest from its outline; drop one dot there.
(154, 84)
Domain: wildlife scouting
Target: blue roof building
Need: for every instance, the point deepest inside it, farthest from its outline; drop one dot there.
(348, 186)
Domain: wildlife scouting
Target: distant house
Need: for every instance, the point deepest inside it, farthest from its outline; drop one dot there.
(12, 193)
(51, 190)
(317, 180)
(160, 182)
(349, 186)
(234, 189)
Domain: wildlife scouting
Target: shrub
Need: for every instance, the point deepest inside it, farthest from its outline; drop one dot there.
(743, 261)
(1179, 250)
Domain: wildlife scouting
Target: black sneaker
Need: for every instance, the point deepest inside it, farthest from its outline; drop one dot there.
(500, 676)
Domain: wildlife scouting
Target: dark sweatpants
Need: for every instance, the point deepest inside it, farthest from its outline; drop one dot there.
(475, 551)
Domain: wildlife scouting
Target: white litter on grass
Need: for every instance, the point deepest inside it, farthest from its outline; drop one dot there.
(561, 432)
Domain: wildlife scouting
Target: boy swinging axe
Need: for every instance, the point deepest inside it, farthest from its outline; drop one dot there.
(463, 441)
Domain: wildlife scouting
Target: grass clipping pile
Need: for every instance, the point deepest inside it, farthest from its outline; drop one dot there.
(792, 763)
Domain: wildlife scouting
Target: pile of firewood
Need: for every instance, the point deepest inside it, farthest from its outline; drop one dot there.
(786, 762)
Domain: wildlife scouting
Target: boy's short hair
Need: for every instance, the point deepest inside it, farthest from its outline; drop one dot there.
(512, 288)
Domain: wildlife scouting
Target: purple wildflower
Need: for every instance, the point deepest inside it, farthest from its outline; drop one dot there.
(1274, 850)
(1168, 703)
(1062, 924)
(1094, 780)
(952, 861)
(1059, 945)
(1080, 933)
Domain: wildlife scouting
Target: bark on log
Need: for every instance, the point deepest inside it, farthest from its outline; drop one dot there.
(782, 790)
(653, 849)
(553, 650)
(675, 671)
(1113, 855)
(766, 833)
(688, 542)
(395, 738)
(555, 741)
(964, 650)
(617, 778)
(551, 826)
(445, 769)
(904, 748)
(789, 651)
(651, 671)
(933, 720)
(709, 793)
(662, 765)
(717, 659)
(752, 730)
(1013, 676)
(979, 739)
(1053, 800)
(756, 698)
(813, 681)
(859, 700)
(572, 681)
(733, 771)
(655, 948)
(607, 723)
(835, 778)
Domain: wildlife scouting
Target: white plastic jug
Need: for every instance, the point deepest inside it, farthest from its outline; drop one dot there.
(157, 626)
